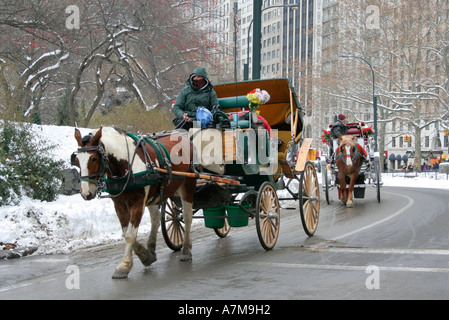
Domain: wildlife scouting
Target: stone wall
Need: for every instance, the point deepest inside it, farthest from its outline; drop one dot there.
(70, 182)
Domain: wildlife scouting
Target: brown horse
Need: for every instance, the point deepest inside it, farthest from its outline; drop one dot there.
(127, 166)
(350, 158)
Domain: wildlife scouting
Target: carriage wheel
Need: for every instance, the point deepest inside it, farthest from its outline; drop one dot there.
(223, 232)
(268, 216)
(172, 225)
(325, 181)
(309, 202)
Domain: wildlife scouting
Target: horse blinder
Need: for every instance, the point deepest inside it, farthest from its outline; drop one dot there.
(73, 161)
(100, 173)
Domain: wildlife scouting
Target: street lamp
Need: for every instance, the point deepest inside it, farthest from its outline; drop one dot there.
(374, 96)
(257, 32)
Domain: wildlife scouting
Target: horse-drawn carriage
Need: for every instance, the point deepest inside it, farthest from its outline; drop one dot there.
(239, 162)
(353, 165)
(250, 191)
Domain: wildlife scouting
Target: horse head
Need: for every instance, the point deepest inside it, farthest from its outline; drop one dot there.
(90, 160)
(348, 152)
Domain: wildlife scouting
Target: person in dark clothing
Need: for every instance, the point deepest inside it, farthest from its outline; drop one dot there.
(339, 128)
(198, 92)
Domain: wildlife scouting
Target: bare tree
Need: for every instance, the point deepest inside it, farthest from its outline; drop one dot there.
(31, 51)
(149, 45)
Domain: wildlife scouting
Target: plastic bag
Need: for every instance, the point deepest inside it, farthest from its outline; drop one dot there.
(204, 116)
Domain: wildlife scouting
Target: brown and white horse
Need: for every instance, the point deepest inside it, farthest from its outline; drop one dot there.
(114, 155)
(349, 161)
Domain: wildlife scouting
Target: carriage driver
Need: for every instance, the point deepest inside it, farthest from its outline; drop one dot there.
(198, 92)
(339, 129)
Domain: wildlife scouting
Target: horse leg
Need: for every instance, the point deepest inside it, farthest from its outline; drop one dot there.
(121, 209)
(130, 218)
(342, 180)
(147, 255)
(130, 235)
(186, 253)
(350, 202)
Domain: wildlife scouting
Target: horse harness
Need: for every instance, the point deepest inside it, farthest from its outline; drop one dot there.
(115, 186)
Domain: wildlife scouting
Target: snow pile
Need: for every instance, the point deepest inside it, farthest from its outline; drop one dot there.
(67, 224)
(422, 180)
(71, 223)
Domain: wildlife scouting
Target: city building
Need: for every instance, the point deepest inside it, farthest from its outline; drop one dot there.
(303, 40)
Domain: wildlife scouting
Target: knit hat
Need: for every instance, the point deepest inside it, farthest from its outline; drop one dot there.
(341, 117)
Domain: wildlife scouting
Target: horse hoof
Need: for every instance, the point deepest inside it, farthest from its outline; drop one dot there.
(186, 257)
(149, 260)
(120, 275)
(350, 205)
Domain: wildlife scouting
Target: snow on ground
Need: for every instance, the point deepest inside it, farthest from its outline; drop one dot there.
(70, 223)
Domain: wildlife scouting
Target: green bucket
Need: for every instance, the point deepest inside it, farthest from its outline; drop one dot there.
(234, 213)
(209, 217)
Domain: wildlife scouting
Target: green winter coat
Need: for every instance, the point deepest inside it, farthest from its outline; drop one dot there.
(190, 99)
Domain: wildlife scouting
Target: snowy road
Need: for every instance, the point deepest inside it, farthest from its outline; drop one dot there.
(397, 249)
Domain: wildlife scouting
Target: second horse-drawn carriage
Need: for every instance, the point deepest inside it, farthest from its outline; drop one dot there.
(352, 166)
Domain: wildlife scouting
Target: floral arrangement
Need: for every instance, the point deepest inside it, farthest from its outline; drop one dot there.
(325, 138)
(368, 131)
(256, 98)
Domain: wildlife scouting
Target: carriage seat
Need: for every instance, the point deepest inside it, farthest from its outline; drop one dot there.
(236, 104)
(355, 130)
(233, 102)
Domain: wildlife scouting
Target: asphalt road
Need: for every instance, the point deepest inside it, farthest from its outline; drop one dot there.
(396, 249)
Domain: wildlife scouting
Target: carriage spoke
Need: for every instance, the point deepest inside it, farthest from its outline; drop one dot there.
(263, 210)
(266, 203)
(176, 233)
(269, 231)
(266, 233)
(311, 217)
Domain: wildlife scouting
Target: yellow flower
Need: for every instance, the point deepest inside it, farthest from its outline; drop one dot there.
(256, 98)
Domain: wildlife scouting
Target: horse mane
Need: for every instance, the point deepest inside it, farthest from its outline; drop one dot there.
(347, 140)
(117, 143)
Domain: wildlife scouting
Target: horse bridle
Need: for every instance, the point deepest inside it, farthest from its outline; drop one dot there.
(354, 157)
(103, 166)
